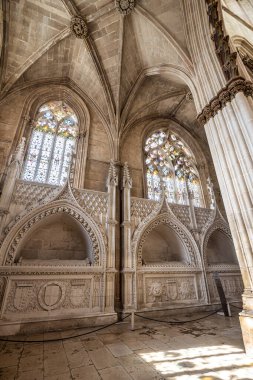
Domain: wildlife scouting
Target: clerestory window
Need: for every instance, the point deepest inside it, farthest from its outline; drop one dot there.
(170, 164)
(51, 145)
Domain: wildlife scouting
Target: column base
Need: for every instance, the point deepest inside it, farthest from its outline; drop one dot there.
(246, 321)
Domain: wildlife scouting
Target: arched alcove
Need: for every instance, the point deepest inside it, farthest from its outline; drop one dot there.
(57, 238)
(220, 249)
(162, 245)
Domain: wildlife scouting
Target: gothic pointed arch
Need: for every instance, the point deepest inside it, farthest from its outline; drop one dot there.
(26, 225)
(163, 216)
(31, 119)
(217, 245)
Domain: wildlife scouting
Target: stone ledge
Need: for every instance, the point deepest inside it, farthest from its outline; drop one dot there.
(55, 324)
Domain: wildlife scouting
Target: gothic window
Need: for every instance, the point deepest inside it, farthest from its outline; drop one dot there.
(51, 145)
(170, 164)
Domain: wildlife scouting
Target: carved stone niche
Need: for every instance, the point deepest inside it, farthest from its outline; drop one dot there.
(57, 240)
(220, 250)
(162, 245)
(125, 6)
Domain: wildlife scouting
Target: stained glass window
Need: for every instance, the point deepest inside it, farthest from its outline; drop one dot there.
(170, 164)
(52, 143)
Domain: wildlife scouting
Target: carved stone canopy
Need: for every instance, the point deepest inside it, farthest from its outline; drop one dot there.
(79, 27)
(125, 6)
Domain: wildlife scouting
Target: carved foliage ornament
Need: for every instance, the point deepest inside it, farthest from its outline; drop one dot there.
(248, 62)
(79, 27)
(125, 6)
(228, 93)
(226, 57)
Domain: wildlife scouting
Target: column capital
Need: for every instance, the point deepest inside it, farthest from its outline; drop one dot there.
(225, 95)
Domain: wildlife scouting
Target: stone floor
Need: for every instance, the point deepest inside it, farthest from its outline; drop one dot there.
(210, 349)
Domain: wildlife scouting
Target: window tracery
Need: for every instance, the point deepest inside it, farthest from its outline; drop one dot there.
(170, 165)
(52, 144)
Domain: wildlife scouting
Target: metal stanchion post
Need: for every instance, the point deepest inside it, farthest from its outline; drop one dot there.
(132, 320)
(229, 310)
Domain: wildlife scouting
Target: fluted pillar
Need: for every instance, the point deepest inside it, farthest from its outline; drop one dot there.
(128, 262)
(224, 100)
(229, 126)
(112, 183)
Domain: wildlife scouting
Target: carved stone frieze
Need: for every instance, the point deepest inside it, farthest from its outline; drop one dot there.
(228, 93)
(29, 296)
(125, 6)
(79, 27)
(170, 289)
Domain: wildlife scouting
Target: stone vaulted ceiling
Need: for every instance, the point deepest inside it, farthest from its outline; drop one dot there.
(120, 66)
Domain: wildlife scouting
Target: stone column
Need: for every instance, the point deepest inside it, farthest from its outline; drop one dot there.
(227, 115)
(112, 183)
(13, 172)
(128, 261)
(228, 121)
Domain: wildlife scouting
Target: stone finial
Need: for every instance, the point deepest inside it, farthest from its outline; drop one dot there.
(127, 180)
(79, 27)
(125, 6)
(112, 179)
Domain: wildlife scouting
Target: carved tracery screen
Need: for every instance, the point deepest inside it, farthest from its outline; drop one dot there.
(170, 163)
(51, 145)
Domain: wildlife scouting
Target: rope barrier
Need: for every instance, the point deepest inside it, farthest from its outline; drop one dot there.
(240, 308)
(178, 322)
(61, 339)
(112, 324)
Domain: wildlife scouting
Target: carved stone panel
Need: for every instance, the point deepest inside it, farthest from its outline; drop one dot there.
(51, 295)
(232, 286)
(80, 293)
(22, 296)
(169, 289)
(29, 296)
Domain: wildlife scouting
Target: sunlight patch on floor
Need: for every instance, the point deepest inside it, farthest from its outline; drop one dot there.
(222, 362)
